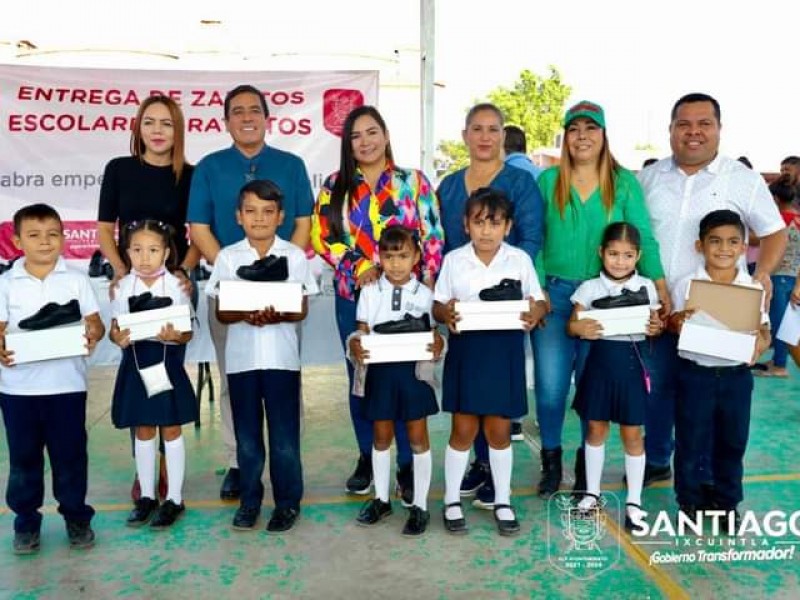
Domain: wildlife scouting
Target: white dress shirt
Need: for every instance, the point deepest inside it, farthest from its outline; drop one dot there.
(382, 301)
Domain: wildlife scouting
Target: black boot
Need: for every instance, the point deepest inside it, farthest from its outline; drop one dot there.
(580, 472)
(551, 472)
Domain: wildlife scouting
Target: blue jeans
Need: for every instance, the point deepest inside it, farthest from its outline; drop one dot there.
(276, 392)
(661, 359)
(346, 323)
(782, 286)
(58, 423)
(556, 356)
(713, 404)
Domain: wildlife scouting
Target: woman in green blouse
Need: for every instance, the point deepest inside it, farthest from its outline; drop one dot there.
(585, 193)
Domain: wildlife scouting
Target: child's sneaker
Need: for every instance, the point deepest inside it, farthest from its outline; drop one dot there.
(405, 485)
(26, 542)
(80, 534)
(484, 499)
(167, 514)
(477, 475)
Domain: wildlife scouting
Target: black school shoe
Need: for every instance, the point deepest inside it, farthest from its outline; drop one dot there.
(360, 481)
(408, 324)
(146, 301)
(507, 289)
(26, 542)
(506, 527)
(52, 314)
(245, 518)
(626, 298)
(80, 534)
(167, 514)
(282, 520)
(269, 268)
(96, 265)
(454, 526)
(373, 512)
(417, 522)
(143, 511)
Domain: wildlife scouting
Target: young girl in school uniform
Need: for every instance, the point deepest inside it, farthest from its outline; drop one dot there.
(615, 380)
(150, 252)
(393, 392)
(484, 371)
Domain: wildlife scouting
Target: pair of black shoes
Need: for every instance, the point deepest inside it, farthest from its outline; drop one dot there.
(281, 520)
(626, 298)
(99, 267)
(507, 289)
(408, 324)
(53, 314)
(146, 301)
(269, 268)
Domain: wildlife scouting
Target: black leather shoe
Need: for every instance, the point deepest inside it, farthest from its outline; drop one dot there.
(269, 268)
(143, 511)
(167, 514)
(80, 534)
(282, 520)
(146, 301)
(230, 485)
(52, 315)
(373, 512)
(96, 265)
(405, 485)
(629, 524)
(201, 273)
(408, 324)
(626, 298)
(26, 542)
(507, 289)
(506, 526)
(454, 526)
(245, 518)
(417, 522)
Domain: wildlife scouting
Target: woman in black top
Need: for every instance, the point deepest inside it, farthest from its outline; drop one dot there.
(152, 183)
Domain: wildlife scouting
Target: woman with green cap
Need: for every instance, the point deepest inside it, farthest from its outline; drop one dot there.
(586, 192)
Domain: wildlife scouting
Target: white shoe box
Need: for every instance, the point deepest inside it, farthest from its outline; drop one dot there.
(147, 324)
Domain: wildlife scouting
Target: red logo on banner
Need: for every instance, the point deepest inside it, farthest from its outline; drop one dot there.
(80, 239)
(336, 105)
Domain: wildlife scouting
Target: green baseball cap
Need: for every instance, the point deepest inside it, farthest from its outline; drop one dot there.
(586, 109)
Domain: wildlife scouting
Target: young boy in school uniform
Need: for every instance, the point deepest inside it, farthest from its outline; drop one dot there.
(262, 363)
(714, 394)
(44, 403)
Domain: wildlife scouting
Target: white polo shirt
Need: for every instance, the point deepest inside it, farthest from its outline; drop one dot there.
(464, 275)
(22, 295)
(382, 301)
(677, 202)
(165, 286)
(600, 287)
(251, 348)
(680, 294)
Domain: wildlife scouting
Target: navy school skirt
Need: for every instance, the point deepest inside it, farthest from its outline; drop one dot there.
(484, 374)
(393, 393)
(131, 407)
(612, 386)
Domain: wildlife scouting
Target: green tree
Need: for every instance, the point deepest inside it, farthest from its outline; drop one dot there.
(533, 102)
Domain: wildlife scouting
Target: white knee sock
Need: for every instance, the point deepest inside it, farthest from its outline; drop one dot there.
(175, 451)
(595, 457)
(501, 462)
(422, 478)
(381, 466)
(144, 452)
(634, 472)
(455, 465)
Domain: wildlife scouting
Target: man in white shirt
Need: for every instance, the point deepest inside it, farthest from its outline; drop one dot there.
(679, 191)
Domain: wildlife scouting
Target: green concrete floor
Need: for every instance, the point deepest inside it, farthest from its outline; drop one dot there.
(328, 556)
